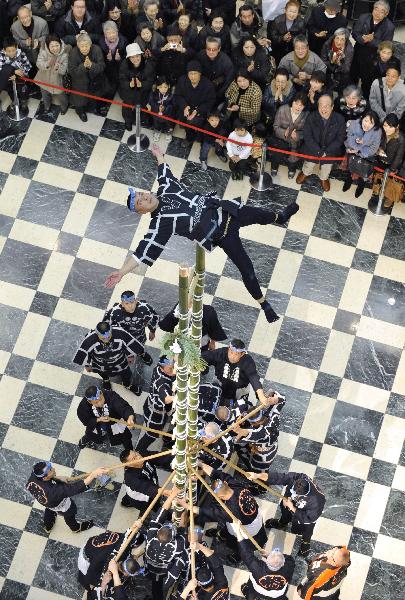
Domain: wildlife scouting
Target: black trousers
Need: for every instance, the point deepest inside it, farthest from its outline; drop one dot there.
(126, 376)
(69, 516)
(305, 531)
(124, 438)
(233, 247)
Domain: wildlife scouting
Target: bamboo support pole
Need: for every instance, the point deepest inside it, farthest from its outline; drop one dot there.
(135, 526)
(194, 378)
(192, 532)
(225, 508)
(235, 466)
(180, 414)
(142, 427)
(122, 465)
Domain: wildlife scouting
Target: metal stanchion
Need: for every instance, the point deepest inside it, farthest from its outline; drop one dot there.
(16, 112)
(263, 182)
(138, 142)
(376, 205)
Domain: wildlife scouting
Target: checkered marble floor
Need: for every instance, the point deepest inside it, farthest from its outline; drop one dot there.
(336, 275)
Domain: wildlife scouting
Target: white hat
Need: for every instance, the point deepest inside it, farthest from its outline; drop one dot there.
(133, 50)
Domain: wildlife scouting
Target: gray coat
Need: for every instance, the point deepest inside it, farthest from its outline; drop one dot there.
(47, 72)
(314, 63)
(39, 33)
(394, 102)
(86, 80)
(284, 121)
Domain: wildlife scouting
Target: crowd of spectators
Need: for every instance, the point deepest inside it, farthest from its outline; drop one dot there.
(304, 81)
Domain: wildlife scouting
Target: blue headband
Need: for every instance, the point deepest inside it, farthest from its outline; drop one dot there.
(236, 349)
(165, 361)
(47, 468)
(132, 195)
(218, 486)
(104, 335)
(96, 397)
(125, 569)
(256, 417)
(128, 298)
(207, 582)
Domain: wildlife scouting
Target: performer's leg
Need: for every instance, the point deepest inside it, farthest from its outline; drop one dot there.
(252, 215)
(234, 249)
(49, 519)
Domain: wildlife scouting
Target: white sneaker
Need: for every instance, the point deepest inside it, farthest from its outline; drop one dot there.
(204, 165)
(156, 136)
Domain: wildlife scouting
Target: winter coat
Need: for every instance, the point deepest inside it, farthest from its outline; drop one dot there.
(156, 42)
(371, 139)
(283, 121)
(169, 108)
(172, 64)
(239, 30)
(226, 7)
(314, 63)
(67, 29)
(201, 97)
(57, 9)
(324, 138)
(223, 35)
(189, 37)
(350, 114)
(394, 149)
(39, 32)
(269, 104)
(47, 72)
(384, 31)
(318, 22)
(262, 66)
(278, 29)
(86, 80)
(249, 101)
(394, 101)
(219, 71)
(146, 75)
(112, 66)
(337, 72)
(169, 9)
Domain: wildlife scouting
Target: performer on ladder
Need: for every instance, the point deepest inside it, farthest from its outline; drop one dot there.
(206, 219)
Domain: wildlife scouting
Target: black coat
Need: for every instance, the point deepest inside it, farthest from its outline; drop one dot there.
(219, 71)
(278, 29)
(261, 64)
(394, 150)
(146, 75)
(67, 29)
(226, 7)
(201, 97)
(118, 408)
(309, 507)
(319, 22)
(384, 31)
(112, 67)
(86, 80)
(223, 35)
(324, 139)
(172, 64)
(210, 323)
(52, 492)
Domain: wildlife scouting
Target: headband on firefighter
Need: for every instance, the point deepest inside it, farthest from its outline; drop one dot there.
(234, 349)
(131, 199)
(165, 361)
(95, 397)
(45, 470)
(127, 569)
(255, 418)
(218, 485)
(204, 576)
(128, 297)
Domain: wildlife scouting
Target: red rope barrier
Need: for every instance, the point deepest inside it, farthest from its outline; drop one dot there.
(181, 123)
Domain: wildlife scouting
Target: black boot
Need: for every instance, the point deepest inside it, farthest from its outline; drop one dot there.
(287, 213)
(360, 188)
(348, 182)
(275, 524)
(146, 358)
(271, 316)
(304, 549)
(135, 389)
(84, 525)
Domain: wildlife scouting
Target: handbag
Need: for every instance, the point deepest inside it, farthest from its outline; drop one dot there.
(67, 81)
(360, 166)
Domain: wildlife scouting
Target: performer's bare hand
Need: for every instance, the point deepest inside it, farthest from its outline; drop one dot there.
(112, 280)
(157, 153)
(130, 421)
(152, 335)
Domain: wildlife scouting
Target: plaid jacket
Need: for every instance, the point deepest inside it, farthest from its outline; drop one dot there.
(249, 103)
(19, 62)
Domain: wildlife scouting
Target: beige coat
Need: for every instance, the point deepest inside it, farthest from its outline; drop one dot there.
(46, 64)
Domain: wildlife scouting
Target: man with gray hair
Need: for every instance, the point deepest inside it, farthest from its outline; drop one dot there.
(29, 32)
(269, 575)
(368, 31)
(301, 62)
(216, 66)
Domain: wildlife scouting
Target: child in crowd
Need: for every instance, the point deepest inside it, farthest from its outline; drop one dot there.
(238, 154)
(161, 102)
(214, 125)
(14, 63)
